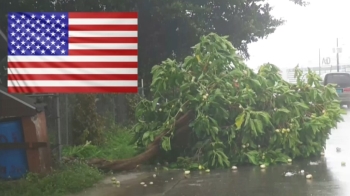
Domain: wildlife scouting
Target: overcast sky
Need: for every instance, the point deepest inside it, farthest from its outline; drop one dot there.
(306, 30)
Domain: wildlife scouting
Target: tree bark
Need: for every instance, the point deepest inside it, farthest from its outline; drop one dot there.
(181, 126)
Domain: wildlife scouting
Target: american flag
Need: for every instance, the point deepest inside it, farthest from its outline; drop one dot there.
(72, 52)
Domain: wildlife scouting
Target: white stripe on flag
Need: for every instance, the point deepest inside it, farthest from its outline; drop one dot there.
(72, 83)
(101, 21)
(102, 34)
(72, 58)
(89, 46)
(65, 71)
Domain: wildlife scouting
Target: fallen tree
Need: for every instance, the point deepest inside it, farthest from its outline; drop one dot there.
(217, 111)
(152, 150)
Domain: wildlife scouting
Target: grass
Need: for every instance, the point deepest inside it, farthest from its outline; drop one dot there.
(118, 145)
(69, 178)
(74, 177)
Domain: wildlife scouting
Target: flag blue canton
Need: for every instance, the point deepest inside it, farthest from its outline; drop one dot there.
(38, 33)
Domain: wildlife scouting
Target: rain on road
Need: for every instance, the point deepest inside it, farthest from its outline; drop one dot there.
(330, 177)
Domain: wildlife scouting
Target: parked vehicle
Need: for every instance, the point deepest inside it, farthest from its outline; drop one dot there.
(342, 80)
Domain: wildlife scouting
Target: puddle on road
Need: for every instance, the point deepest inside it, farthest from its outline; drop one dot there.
(330, 177)
(135, 184)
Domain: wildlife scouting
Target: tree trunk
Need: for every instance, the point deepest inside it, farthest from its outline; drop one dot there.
(181, 126)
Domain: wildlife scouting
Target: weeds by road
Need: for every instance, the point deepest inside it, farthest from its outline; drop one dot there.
(117, 145)
(74, 177)
(69, 178)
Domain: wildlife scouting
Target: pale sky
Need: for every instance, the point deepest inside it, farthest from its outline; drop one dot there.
(306, 30)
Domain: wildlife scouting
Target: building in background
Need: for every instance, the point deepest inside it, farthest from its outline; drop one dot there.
(320, 70)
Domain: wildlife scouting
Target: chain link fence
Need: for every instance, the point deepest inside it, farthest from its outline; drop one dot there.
(59, 113)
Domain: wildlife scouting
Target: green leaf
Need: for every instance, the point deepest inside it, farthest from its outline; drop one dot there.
(220, 160)
(224, 159)
(259, 125)
(237, 73)
(138, 127)
(247, 118)
(253, 157)
(239, 120)
(283, 110)
(264, 116)
(155, 80)
(192, 98)
(256, 82)
(146, 135)
(252, 126)
(151, 137)
(194, 166)
(213, 159)
(218, 93)
(315, 94)
(185, 86)
(154, 103)
(214, 122)
(302, 105)
(166, 143)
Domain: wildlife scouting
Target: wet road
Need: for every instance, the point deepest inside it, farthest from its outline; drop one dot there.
(330, 177)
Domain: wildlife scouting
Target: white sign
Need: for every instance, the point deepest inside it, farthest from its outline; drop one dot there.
(337, 50)
(326, 61)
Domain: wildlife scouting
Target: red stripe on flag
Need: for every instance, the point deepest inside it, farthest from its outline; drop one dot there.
(102, 40)
(72, 65)
(102, 15)
(72, 77)
(102, 27)
(104, 52)
(91, 89)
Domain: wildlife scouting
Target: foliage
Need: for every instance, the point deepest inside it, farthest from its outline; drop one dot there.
(68, 179)
(133, 100)
(186, 163)
(171, 27)
(118, 145)
(87, 124)
(240, 116)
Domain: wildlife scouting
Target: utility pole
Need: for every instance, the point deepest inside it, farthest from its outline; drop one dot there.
(319, 61)
(337, 56)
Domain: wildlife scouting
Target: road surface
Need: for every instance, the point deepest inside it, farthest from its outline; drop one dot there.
(330, 177)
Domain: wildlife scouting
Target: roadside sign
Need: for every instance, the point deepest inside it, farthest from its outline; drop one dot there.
(337, 50)
(326, 61)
